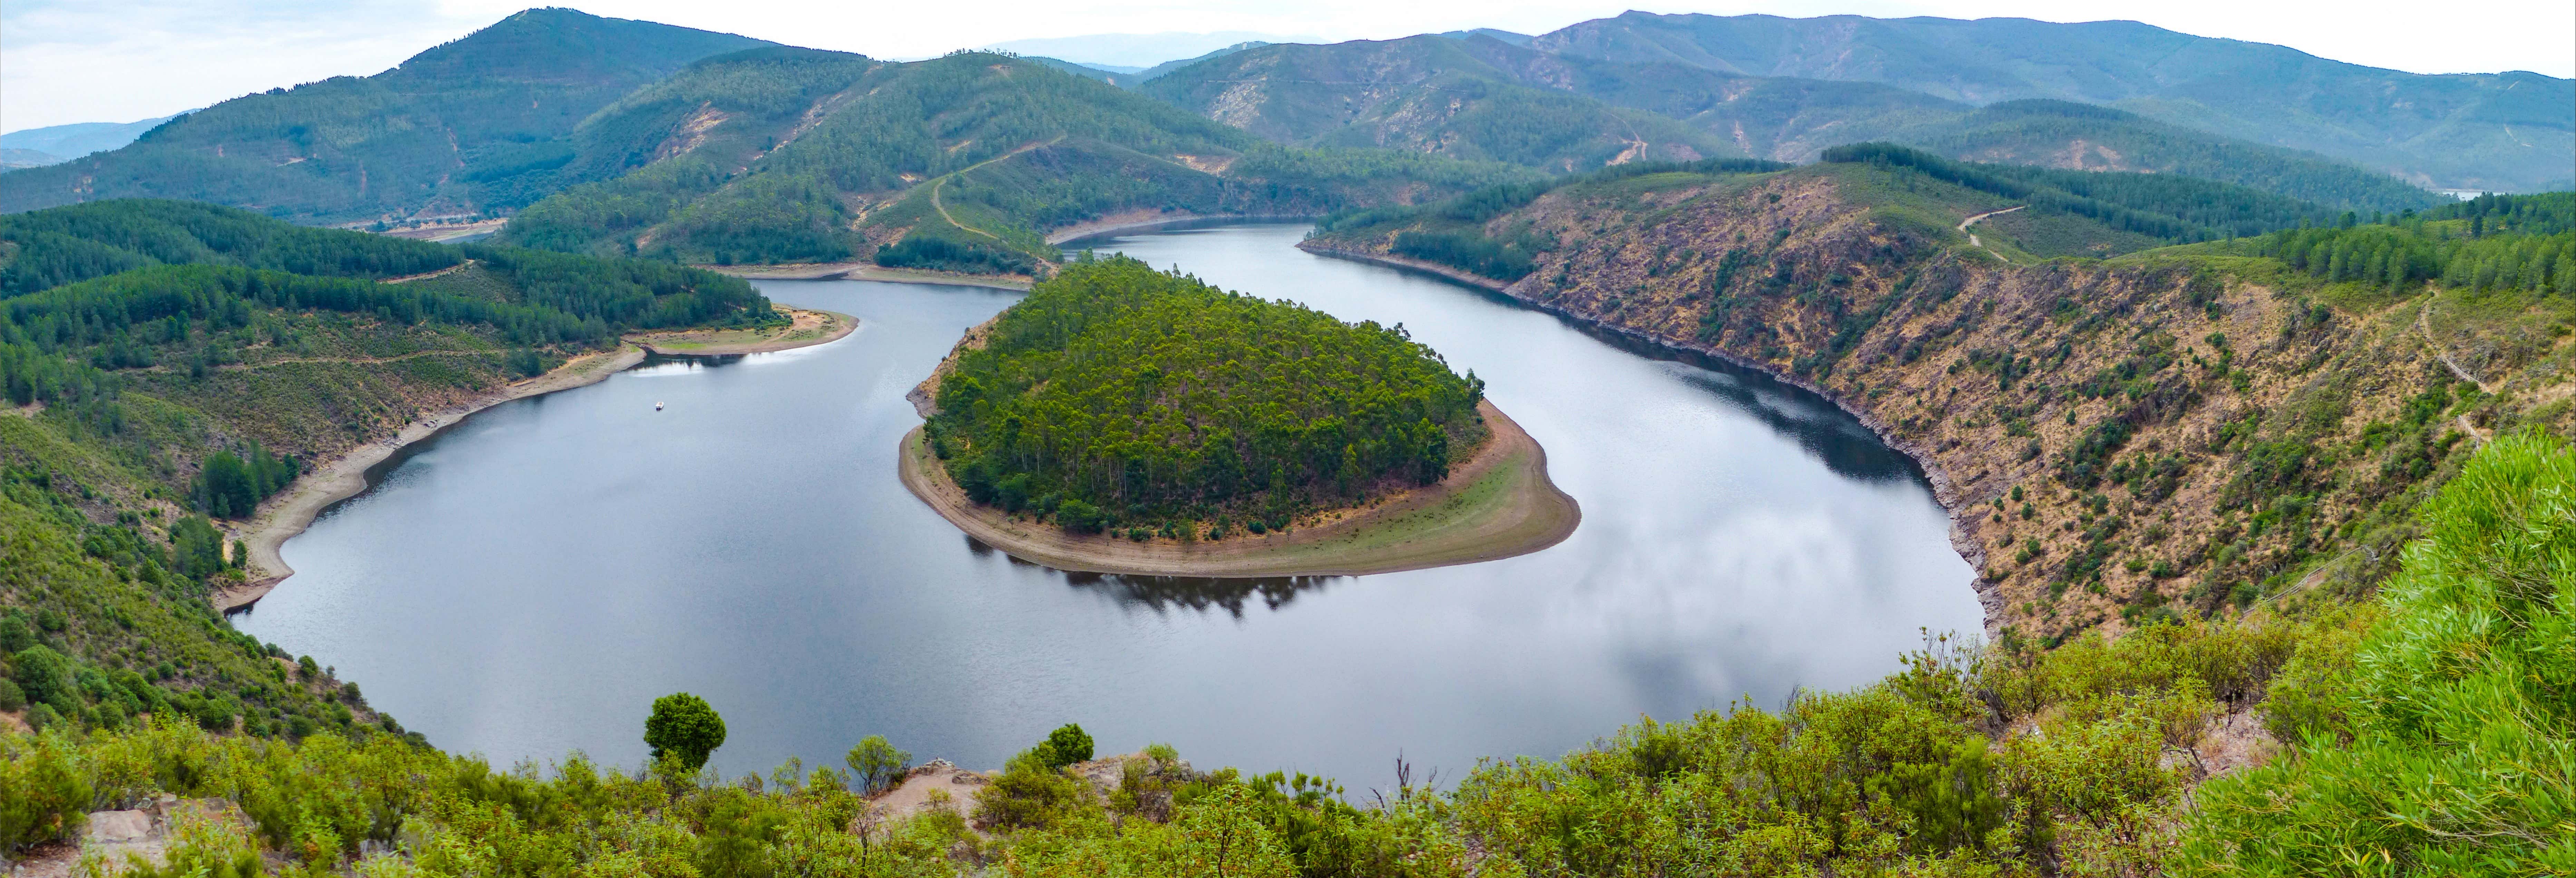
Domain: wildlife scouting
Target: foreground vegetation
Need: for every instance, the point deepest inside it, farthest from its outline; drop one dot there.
(2424, 732)
(1116, 395)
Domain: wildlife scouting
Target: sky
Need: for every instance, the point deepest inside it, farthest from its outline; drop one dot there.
(64, 61)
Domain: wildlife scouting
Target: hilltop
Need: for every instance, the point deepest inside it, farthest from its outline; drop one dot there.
(469, 127)
(2501, 131)
(963, 163)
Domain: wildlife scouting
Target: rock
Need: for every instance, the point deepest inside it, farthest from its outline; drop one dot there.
(119, 826)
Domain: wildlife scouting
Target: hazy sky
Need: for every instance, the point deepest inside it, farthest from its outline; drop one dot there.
(67, 61)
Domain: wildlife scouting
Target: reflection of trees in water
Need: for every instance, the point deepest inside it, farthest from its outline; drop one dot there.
(709, 361)
(1846, 446)
(1167, 593)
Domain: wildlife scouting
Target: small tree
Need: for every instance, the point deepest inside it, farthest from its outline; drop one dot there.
(684, 726)
(1065, 746)
(876, 765)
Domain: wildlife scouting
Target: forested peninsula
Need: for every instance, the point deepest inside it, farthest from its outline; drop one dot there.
(1126, 420)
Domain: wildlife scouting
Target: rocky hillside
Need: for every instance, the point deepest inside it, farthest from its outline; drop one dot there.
(2190, 430)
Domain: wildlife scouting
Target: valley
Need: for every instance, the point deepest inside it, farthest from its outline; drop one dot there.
(1934, 447)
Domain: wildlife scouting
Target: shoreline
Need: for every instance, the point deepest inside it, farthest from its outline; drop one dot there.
(805, 328)
(1955, 508)
(867, 271)
(282, 517)
(1500, 504)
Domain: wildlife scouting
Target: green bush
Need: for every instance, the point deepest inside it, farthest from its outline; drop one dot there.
(45, 675)
(2444, 746)
(876, 766)
(1066, 745)
(12, 698)
(683, 727)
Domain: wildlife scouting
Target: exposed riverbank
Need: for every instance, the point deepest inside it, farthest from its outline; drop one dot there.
(1497, 505)
(281, 517)
(804, 329)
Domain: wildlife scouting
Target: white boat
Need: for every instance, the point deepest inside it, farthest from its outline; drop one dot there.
(657, 406)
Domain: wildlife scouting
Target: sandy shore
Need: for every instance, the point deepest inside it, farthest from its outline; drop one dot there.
(804, 329)
(1498, 505)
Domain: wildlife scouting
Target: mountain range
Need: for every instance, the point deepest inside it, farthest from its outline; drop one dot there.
(614, 136)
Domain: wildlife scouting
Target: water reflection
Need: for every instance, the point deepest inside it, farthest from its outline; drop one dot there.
(1163, 594)
(525, 584)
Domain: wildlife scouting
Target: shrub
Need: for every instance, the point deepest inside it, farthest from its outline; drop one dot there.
(876, 765)
(1031, 793)
(12, 698)
(43, 674)
(683, 727)
(1066, 745)
(2443, 746)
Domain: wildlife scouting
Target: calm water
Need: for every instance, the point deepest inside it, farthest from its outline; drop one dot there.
(527, 583)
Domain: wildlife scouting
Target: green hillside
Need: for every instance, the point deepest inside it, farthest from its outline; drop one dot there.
(963, 162)
(2503, 132)
(469, 127)
(167, 365)
(2062, 134)
(2428, 733)
(1423, 94)
(1413, 93)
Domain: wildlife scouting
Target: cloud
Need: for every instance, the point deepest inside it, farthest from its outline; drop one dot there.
(89, 61)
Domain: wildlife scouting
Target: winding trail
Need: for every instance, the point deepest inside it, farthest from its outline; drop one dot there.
(1972, 236)
(942, 182)
(2424, 325)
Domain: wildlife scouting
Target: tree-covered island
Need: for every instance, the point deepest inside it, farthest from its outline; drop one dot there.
(1128, 409)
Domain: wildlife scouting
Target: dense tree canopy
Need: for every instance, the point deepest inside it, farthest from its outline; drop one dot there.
(50, 248)
(1116, 393)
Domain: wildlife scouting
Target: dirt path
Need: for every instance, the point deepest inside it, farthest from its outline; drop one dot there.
(942, 182)
(452, 269)
(1972, 236)
(2423, 324)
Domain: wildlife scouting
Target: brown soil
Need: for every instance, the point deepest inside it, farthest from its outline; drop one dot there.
(804, 329)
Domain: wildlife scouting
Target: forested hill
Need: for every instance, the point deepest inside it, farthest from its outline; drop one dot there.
(1119, 396)
(2087, 137)
(2503, 132)
(963, 163)
(166, 366)
(1462, 98)
(475, 125)
(1481, 97)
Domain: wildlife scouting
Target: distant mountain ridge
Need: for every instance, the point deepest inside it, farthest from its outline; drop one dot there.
(1472, 96)
(2504, 131)
(62, 143)
(475, 125)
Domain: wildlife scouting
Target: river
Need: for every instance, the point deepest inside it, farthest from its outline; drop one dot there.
(524, 584)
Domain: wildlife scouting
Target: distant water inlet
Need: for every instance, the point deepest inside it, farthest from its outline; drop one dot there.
(527, 583)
